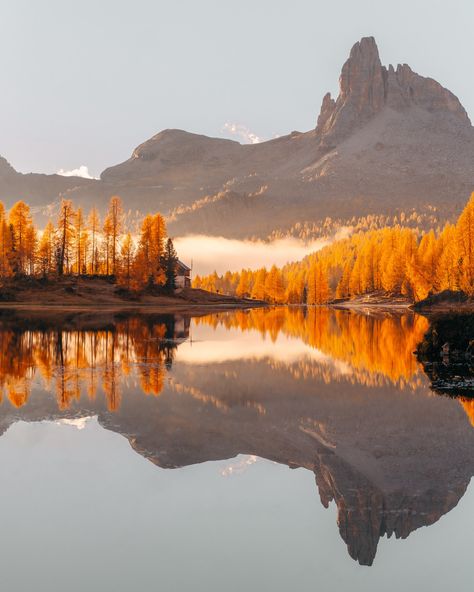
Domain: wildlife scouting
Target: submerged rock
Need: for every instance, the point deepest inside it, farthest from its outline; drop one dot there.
(446, 354)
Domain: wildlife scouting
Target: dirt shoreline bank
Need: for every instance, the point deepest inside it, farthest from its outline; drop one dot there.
(97, 295)
(102, 296)
(133, 308)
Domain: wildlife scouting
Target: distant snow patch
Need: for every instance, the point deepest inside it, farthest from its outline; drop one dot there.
(81, 171)
(242, 132)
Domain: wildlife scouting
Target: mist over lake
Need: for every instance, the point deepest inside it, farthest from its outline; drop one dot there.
(216, 253)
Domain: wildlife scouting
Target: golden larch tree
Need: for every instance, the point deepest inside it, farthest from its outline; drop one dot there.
(20, 223)
(93, 223)
(45, 257)
(5, 245)
(465, 240)
(115, 217)
(65, 233)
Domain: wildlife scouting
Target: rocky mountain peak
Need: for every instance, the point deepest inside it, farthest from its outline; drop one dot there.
(361, 92)
(366, 88)
(405, 88)
(362, 81)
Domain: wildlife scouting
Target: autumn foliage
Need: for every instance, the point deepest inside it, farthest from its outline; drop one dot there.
(79, 244)
(392, 260)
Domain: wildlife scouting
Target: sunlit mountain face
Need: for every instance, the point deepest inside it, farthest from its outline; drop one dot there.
(336, 392)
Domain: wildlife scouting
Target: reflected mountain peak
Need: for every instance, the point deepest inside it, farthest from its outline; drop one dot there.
(338, 393)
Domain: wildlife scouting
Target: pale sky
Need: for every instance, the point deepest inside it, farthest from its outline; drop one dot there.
(84, 82)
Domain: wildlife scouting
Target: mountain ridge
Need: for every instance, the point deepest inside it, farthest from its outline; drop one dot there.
(392, 139)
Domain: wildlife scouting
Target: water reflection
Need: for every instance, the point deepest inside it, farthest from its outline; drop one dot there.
(336, 392)
(371, 347)
(74, 361)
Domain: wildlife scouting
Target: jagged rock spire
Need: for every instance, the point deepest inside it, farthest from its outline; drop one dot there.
(366, 87)
(327, 111)
(361, 92)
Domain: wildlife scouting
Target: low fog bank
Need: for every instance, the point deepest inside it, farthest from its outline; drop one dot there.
(209, 253)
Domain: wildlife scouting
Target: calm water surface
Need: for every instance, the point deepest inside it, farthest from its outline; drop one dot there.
(262, 450)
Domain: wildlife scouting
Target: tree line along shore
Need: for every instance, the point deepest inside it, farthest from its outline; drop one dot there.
(80, 245)
(395, 263)
(80, 260)
(398, 264)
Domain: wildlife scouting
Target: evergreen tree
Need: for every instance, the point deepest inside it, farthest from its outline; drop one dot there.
(169, 264)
